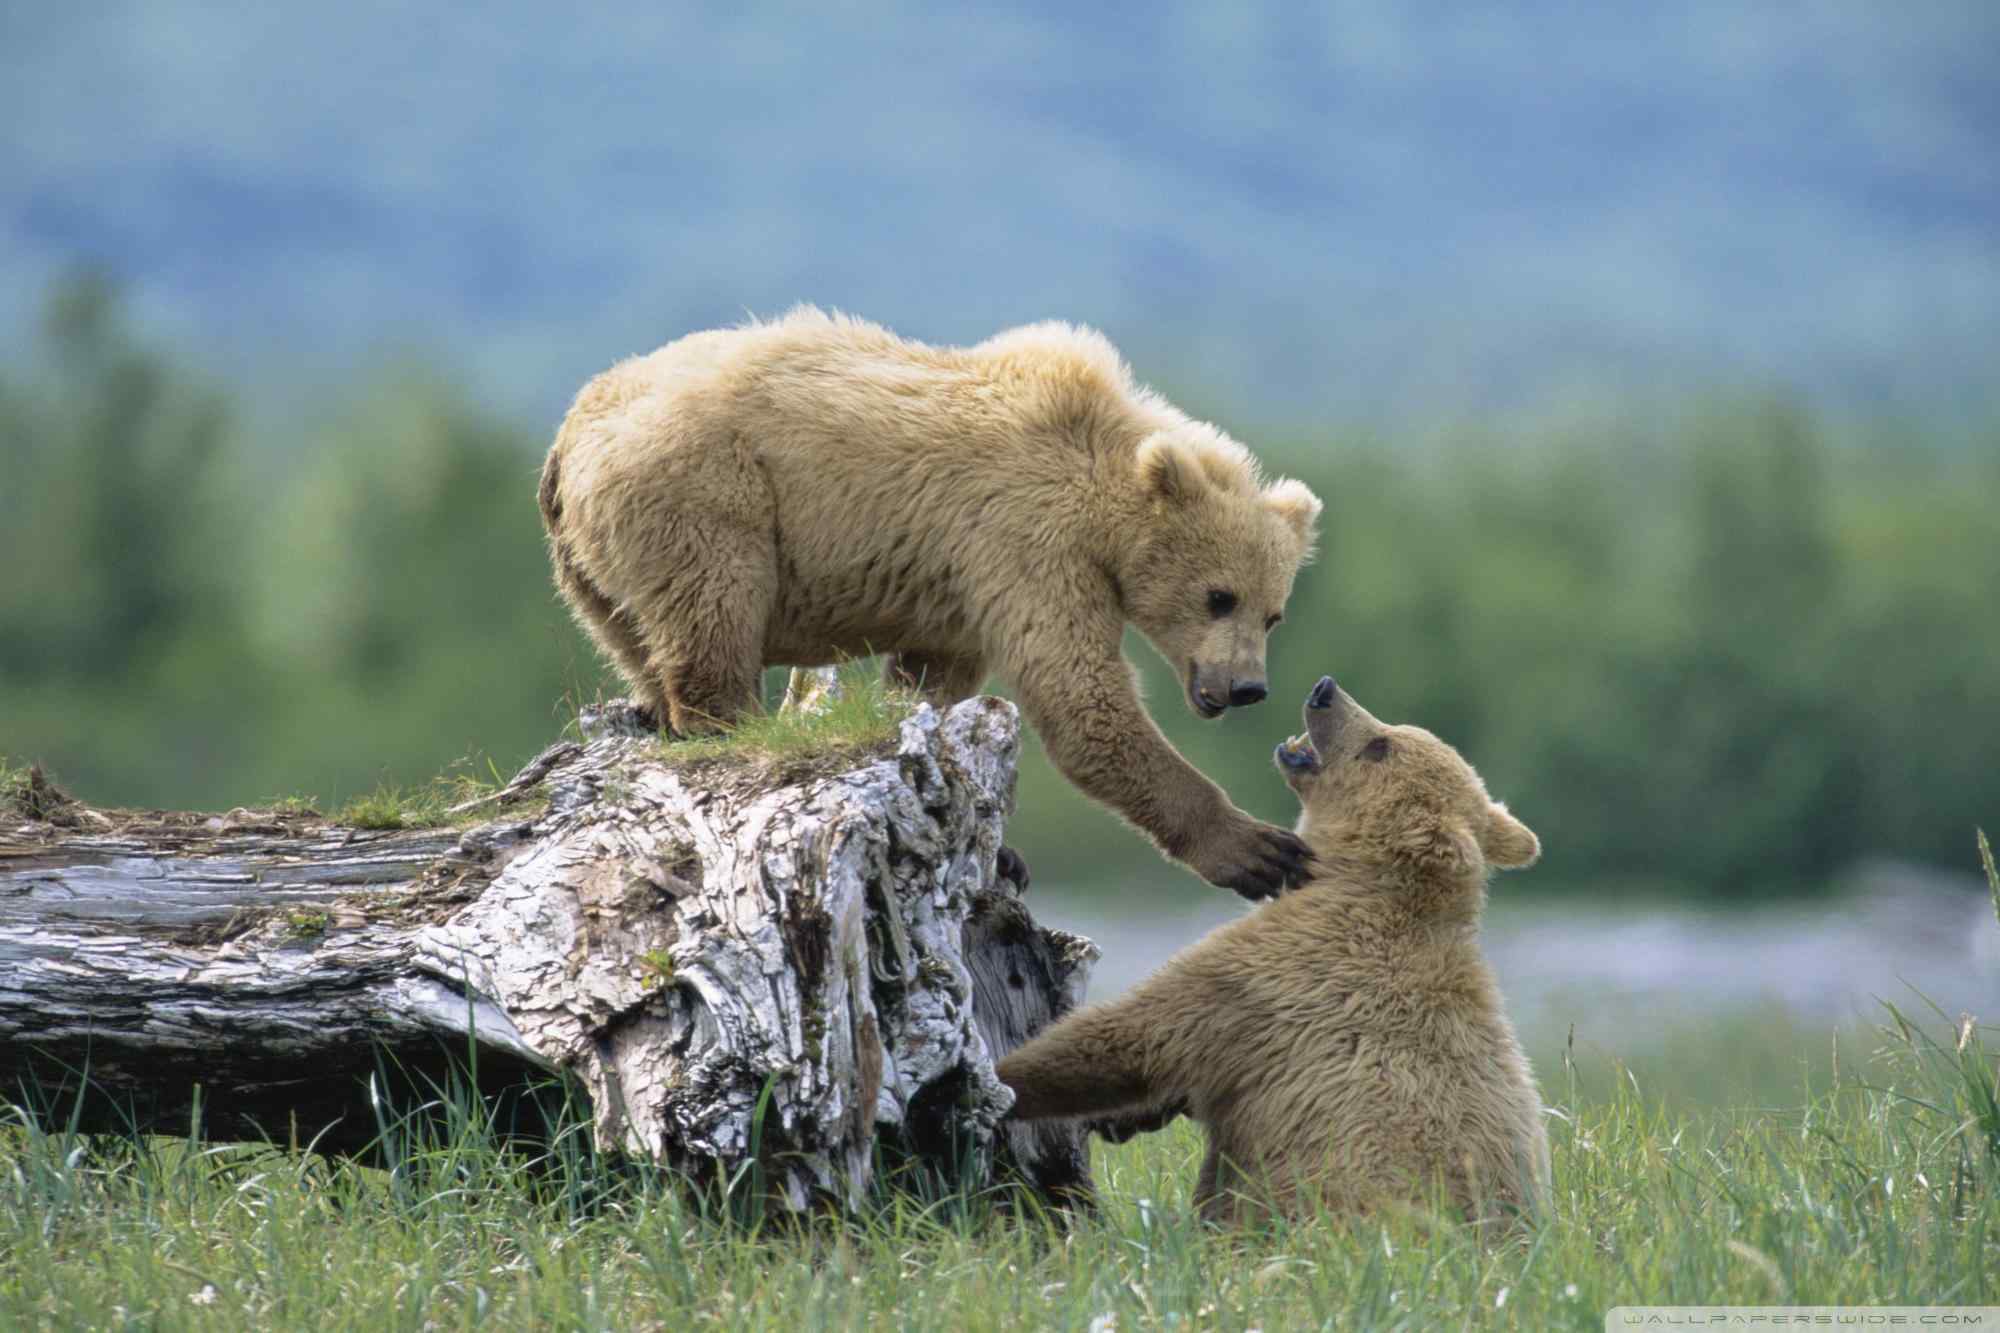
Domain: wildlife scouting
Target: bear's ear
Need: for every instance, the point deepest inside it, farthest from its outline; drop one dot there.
(1227, 464)
(1294, 502)
(1435, 847)
(1169, 470)
(1509, 844)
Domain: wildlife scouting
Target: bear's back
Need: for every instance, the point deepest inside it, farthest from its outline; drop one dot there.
(821, 376)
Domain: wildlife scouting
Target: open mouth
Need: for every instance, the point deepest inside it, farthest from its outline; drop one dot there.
(1296, 753)
(1199, 700)
(1300, 754)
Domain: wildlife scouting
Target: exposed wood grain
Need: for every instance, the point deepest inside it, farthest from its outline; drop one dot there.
(826, 940)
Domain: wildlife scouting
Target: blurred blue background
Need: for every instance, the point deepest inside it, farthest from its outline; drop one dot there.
(1646, 360)
(1358, 212)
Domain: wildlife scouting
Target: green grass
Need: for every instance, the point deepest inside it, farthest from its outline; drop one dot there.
(1883, 1189)
(13, 781)
(1876, 1181)
(434, 804)
(305, 923)
(429, 805)
(384, 808)
(862, 714)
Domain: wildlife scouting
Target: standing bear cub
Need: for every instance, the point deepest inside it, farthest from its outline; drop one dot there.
(796, 492)
(1345, 1043)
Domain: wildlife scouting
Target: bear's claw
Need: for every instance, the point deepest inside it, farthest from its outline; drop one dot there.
(1282, 862)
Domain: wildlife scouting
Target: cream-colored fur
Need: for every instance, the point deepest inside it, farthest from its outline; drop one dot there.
(814, 488)
(1345, 1043)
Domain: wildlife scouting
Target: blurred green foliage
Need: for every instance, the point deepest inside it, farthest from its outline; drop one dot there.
(193, 613)
(1719, 653)
(1716, 652)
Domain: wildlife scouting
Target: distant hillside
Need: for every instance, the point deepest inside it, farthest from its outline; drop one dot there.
(1360, 212)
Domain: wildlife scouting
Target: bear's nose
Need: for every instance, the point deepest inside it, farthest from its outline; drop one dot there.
(1242, 692)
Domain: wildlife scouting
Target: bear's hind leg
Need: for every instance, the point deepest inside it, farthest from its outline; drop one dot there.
(1212, 1189)
(703, 617)
(705, 637)
(612, 629)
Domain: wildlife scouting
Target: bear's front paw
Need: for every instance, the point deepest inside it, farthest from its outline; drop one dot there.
(1258, 861)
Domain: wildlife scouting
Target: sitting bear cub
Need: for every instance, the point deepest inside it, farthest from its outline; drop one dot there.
(1346, 1042)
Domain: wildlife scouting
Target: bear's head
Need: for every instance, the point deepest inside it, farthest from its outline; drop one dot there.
(1207, 575)
(1396, 802)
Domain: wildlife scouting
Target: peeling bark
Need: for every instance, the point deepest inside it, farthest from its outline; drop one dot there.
(813, 958)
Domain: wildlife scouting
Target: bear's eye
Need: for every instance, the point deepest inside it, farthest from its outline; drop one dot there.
(1220, 602)
(1271, 622)
(1376, 750)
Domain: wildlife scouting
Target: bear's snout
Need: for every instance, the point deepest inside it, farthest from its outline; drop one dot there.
(1214, 690)
(1208, 690)
(1327, 714)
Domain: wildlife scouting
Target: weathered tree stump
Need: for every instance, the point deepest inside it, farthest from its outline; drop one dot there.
(815, 956)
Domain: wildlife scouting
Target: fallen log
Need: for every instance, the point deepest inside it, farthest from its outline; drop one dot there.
(809, 960)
